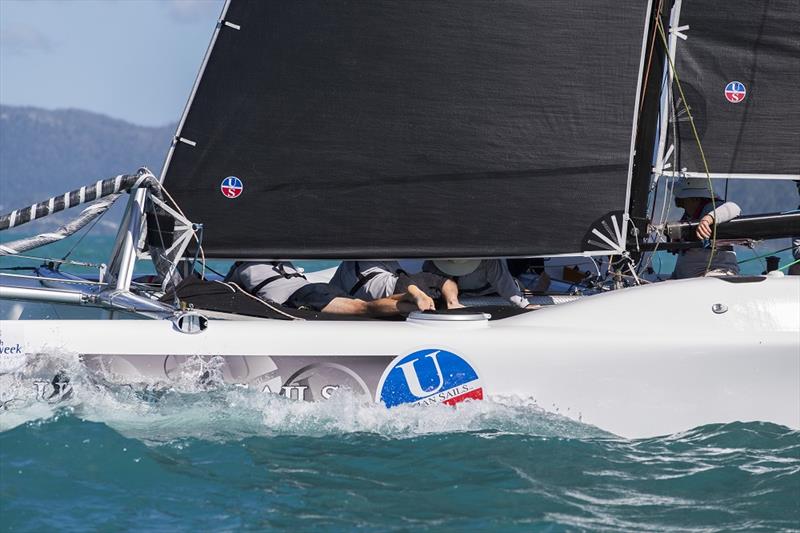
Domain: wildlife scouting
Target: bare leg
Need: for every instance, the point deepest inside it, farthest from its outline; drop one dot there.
(389, 307)
(346, 306)
(380, 307)
(450, 294)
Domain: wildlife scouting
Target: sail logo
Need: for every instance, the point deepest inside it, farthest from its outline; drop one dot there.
(231, 187)
(430, 376)
(12, 356)
(735, 92)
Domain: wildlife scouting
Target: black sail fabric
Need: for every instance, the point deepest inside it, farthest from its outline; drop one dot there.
(396, 129)
(740, 71)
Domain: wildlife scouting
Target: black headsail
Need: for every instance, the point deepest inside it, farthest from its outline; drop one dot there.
(739, 65)
(391, 129)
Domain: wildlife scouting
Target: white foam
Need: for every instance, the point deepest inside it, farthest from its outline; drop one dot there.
(188, 407)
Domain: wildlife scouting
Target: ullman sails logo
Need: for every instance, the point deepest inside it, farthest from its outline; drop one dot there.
(231, 187)
(735, 92)
(430, 376)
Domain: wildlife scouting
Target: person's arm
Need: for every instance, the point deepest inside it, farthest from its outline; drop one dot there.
(500, 278)
(723, 213)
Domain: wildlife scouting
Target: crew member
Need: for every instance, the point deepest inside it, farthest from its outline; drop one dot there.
(480, 277)
(695, 198)
(372, 280)
(280, 282)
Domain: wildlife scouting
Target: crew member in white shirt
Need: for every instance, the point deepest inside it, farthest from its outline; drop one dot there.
(695, 198)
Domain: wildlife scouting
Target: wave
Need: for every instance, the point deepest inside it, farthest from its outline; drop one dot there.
(71, 473)
(188, 407)
(198, 454)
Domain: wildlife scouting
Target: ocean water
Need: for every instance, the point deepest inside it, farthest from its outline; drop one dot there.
(212, 457)
(204, 456)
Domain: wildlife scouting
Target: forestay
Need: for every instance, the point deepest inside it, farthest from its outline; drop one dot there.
(392, 129)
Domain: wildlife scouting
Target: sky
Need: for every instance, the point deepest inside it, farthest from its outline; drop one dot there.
(130, 59)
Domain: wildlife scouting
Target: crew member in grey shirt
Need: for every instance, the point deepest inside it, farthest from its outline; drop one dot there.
(371, 280)
(694, 197)
(481, 277)
(280, 282)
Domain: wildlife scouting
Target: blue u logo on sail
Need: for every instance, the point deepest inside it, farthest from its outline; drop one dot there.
(429, 376)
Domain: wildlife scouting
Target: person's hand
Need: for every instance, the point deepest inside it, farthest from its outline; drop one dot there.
(704, 227)
(533, 306)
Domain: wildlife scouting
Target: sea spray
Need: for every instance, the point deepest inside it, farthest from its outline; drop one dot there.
(196, 403)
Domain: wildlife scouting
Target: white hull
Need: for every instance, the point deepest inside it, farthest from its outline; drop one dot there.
(636, 362)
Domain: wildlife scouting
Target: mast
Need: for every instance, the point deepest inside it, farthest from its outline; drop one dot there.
(675, 31)
(652, 107)
(124, 252)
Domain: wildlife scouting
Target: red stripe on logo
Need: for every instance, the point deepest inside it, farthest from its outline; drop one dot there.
(476, 394)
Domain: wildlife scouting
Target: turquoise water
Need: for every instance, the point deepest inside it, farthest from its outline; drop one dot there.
(223, 461)
(197, 458)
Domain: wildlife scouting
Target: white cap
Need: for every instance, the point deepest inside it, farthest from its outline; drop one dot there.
(692, 188)
(457, 267)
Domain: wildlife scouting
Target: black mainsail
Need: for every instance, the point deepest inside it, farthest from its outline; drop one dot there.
(393, 129)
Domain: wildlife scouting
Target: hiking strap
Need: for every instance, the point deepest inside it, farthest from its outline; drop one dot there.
(362, 279)
(282, 275)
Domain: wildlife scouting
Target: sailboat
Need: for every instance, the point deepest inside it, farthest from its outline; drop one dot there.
(454, 129)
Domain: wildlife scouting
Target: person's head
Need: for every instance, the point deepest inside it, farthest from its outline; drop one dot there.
(692, 193)
(457, 267)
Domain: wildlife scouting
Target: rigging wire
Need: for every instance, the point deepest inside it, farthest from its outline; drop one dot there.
(596, 267)
(763, 256)
(784, 267)
(51, 260)
(660, 27)
(215, 272)
(59, 280)
(649, 59)
(91, 227)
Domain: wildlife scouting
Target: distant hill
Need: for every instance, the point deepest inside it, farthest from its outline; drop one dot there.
(44, 153)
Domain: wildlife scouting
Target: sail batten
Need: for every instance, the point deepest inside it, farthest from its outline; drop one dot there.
(426, 129)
